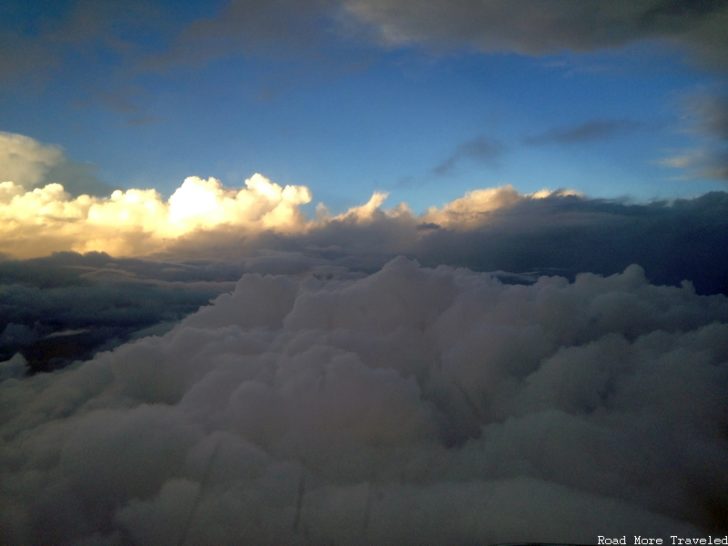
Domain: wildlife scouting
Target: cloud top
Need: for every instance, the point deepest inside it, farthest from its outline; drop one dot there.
(411, 406)
(136, 221)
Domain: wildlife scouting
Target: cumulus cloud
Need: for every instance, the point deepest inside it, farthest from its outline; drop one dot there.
(487, 229)
(138, 221)
(57, 309)
(411, 406)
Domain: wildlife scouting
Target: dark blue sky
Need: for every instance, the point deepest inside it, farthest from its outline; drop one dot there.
(348, 97)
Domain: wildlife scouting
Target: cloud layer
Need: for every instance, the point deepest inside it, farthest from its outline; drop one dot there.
(486, 229)
(65, 307)
(412, 406)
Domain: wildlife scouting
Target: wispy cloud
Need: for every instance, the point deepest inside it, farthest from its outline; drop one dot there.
(588, 131)
(706, 116)
(481, 149)
(536, 28)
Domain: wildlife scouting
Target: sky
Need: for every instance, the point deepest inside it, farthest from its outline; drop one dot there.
(363, 271)
(349, 97)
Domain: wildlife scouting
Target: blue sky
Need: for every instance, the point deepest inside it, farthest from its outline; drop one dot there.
(345, 105)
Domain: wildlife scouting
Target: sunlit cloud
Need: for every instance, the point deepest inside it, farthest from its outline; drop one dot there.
(140, 221)
(136, 222)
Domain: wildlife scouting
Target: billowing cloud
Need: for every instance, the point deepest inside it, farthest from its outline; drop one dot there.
(60, 308)
(487, 229)
(412, 406)
(137, 221)
(472, 209)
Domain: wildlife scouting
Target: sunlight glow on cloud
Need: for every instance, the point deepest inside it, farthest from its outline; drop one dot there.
(137, 222)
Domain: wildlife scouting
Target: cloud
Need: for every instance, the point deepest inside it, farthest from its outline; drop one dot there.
(588, 131)
(66, 307)
(37, 40)
(32, 164)
(500, 229)
(487, 229)
(710, 114)
(480, 149)
(25, 160)
(699, 163)
(707, 117)
(537, 28)
(97, 301)
(412, 406)
(241, 27)
(473, 209)
(139, 221)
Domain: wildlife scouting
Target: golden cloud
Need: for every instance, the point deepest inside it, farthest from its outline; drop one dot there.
(138, 222)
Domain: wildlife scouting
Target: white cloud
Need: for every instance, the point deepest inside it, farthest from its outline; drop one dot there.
(414, 405)
(136, 221)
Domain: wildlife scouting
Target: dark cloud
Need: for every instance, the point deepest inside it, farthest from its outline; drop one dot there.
(480, 149)
(588, 131)
(537, 28)
(68, 306)
(706, 116)
(710, 114)
(411, 406)
(566, 234)
(672, 241)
